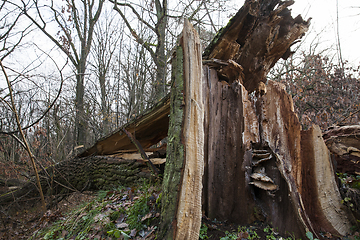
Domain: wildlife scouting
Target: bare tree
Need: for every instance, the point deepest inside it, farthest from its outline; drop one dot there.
(154, 15)
(107, 35)
(78, 17)
(10, 35)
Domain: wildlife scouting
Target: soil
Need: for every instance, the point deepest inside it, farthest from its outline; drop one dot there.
(25, 218)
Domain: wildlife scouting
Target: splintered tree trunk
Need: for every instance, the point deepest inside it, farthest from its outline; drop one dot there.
(258, 163)
(182, 186)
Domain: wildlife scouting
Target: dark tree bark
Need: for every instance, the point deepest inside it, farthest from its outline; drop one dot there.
(89, 173)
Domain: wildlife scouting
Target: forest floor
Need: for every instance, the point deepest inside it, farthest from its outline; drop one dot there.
(121, 213)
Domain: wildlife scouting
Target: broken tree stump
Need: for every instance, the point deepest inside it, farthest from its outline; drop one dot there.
(259, 164)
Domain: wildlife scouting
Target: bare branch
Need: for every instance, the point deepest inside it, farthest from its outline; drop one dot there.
(48, 108)
(134, 34)
(134, 11)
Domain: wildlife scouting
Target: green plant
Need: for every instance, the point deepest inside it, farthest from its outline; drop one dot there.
(270, 232)
(118, 233)
(310, 236)
(230, 236)
(136, 212)
(203, 232)
(252, 234)
(267, 229)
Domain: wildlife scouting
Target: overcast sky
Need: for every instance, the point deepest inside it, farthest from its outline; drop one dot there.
(323, 14)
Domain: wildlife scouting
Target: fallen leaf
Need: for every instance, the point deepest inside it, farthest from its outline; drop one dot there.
(122, 225)
(133, 232)
(147, 216)
(328, 235)
(242, 235)
(64, 233)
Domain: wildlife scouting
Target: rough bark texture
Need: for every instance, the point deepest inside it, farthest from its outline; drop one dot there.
(265, 168)
(189, 202)
(91, 173)
(303, 161)
(226, 193)
(280, 130)
(175, 151)
(182, 186)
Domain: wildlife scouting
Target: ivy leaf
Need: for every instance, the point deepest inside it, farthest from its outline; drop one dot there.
(310, 235)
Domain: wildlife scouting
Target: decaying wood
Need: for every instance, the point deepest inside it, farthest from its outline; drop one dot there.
(256, 149)
(148, 128)
(256, 38)
(137, 156)
(90, 173)
(344, 144)
(303, 159)
(256, 156)
(226, 194)
(182, 186)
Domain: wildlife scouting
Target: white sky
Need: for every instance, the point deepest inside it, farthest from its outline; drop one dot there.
(323, 14)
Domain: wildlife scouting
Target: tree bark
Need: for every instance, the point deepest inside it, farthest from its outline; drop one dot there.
(182, 185)
(89, 173)
(160, 54)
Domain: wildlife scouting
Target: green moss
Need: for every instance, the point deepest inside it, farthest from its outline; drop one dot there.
(175, 149)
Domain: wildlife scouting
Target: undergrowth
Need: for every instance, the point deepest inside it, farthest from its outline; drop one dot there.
(122, 212)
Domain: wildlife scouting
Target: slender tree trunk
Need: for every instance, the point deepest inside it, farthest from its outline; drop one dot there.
(104, 108)
(80, 123)
(160, 54)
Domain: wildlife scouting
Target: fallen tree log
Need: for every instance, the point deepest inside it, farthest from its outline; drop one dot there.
(88, 173)
(149, 128)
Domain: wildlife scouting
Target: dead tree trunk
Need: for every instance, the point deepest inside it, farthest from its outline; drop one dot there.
(258, 163)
